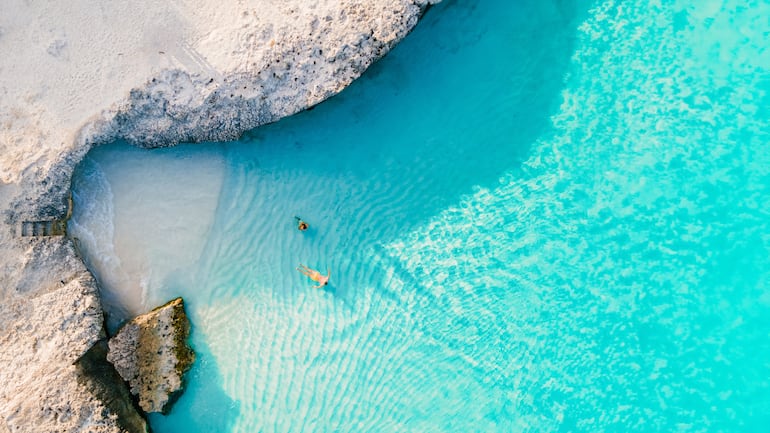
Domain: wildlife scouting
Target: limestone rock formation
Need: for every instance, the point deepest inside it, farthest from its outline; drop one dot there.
(46, 329)
(151, 353)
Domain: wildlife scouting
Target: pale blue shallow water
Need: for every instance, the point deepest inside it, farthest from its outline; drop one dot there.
(538, 216)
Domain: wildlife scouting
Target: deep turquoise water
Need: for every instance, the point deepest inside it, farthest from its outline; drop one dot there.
(538, 216)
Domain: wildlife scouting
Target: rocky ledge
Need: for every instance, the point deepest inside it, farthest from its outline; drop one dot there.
(151, 353)
(75, 76)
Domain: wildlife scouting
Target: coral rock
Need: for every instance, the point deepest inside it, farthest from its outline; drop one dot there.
(150, 352)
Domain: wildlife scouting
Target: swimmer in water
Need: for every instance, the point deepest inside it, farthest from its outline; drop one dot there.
(314, 275)
(301, 225)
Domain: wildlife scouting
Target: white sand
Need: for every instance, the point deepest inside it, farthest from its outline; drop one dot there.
(64, 62)
(77, 73)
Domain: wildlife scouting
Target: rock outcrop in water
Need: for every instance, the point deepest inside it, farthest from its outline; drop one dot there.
(153, 74)
(151, 353)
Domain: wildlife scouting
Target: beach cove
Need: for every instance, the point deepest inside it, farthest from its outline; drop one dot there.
(537, 216)
(565, 232)
(74, 76)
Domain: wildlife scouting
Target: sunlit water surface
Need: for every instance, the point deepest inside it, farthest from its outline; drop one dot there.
(538, 216)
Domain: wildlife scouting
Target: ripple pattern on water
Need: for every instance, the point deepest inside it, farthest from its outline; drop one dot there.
(545, 219)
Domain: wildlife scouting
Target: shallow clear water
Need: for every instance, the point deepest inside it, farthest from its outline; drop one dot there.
(538, 216)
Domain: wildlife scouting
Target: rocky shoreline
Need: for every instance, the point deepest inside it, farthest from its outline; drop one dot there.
(53, 373)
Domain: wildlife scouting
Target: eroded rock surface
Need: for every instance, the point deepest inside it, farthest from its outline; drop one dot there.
(151, 353)
(45, 329)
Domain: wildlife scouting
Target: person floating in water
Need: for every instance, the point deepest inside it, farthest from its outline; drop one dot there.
(315, 275)
(301, 225)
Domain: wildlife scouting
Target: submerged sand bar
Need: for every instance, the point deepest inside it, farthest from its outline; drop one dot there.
(79, 73)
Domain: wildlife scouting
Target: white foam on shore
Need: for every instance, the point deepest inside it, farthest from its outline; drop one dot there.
(141, 216)
(92, 229)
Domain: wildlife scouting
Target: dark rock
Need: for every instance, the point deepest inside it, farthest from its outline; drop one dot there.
(100, 378)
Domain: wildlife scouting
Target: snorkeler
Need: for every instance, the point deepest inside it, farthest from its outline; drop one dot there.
(315, 275)
(301, 225)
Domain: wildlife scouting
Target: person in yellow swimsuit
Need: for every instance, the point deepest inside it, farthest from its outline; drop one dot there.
(314, 275)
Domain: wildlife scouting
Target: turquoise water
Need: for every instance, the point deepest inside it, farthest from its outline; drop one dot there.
(538, 216)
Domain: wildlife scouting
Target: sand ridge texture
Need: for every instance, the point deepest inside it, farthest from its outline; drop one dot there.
(80, 73)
